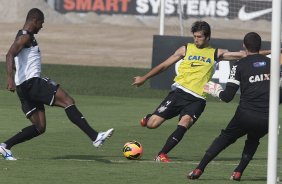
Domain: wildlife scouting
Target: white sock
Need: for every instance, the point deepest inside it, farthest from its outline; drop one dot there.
(3, 145)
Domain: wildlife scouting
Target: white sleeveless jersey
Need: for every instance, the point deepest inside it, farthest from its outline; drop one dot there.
(28, 61)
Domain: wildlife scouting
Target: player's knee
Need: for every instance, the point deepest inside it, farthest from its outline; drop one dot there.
(153, 123)
(186, 121)
(186, 124)
(40, 129)
(69, 100)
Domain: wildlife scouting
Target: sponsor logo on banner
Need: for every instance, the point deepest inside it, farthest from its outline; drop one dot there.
(243, 15)
(230, 9)
(98, 6)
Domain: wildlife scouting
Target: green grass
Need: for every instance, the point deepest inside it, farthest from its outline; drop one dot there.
(101, 81)
(64, 154)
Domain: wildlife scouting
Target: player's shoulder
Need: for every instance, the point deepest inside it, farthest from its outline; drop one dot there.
(23, 32)
(23, 36)
(253, 61)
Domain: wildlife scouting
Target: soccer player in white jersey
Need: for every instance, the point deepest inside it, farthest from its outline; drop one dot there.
(187, 98)
(34, 91)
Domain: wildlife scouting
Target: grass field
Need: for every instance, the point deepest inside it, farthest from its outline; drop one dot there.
(65, 155)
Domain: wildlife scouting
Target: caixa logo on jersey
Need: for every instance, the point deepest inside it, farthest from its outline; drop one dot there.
(232, 9)
(259, 78)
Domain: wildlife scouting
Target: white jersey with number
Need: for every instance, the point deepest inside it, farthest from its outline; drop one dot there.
(28, 61)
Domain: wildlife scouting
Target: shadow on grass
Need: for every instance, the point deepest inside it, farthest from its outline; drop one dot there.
(96, 158)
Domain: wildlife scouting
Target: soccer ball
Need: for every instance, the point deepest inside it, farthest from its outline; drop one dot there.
(132, 150)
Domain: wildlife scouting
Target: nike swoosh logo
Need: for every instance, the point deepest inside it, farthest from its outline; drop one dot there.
(244, 16)
(194, 65)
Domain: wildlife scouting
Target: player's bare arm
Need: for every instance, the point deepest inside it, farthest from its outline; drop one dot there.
(224, 54)
(15, 48)
(265, 52)
(179, 54)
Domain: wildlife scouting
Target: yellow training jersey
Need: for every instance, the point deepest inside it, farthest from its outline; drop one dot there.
(196, 69)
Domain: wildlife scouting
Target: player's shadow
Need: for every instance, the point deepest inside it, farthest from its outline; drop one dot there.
(95, 158)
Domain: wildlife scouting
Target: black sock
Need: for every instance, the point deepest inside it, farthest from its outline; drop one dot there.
(25, 134)
(76, 117)
(174, 139)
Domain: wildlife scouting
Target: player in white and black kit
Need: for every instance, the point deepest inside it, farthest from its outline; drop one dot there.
(34, 92)
(252, 75)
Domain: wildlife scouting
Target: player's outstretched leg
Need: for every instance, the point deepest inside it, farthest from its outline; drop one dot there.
(102, 136)
(6, 153)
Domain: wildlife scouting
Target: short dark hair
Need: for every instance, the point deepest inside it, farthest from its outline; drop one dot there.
(34, 13)
(202, 26)
(252, 42)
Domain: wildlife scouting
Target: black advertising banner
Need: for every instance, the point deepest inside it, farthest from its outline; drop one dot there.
(231, 9)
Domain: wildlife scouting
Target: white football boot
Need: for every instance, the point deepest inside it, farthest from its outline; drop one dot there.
(102, 136)
(6, 154)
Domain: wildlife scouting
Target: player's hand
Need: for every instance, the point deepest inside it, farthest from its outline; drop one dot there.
(138, 81)
(11, 86)
(213, 88)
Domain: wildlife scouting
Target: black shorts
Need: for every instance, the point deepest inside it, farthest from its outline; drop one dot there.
(36, 92)
(181, 103)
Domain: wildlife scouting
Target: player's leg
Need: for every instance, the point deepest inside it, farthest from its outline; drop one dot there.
(228, 136)
(35, 112)
(63, 99)
(251, 145)
(257, 128)
(164, 111)
(154, 121)
(190, 109)
(38, 127)
(176, 136)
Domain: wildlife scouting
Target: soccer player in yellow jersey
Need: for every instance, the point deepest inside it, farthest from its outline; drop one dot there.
(187, 98)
